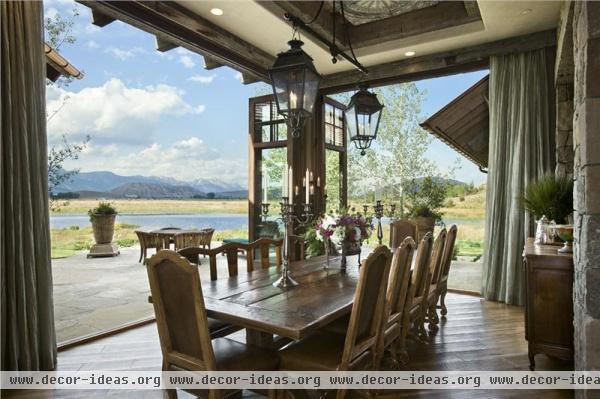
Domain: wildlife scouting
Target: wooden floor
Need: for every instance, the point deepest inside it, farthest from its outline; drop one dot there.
(476, 335)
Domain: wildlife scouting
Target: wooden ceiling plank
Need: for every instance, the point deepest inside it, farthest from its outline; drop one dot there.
(439, 64)
(472, 8)
(186, 29)
(248, 79)
(100, 19)
(444, 15)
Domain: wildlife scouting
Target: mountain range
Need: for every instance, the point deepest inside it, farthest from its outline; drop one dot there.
(112, 185)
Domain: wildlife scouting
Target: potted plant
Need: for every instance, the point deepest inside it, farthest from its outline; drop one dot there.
(426, 197)
(550, 196)
(550, 200)
(103, 225)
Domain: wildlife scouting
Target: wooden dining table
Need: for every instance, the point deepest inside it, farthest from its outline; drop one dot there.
(249, 300)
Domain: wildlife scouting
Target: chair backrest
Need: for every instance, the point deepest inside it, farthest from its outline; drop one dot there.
(368, 308)
(262, 246)
(149, 240)
(399, 230)
(188, 239)
(180, 312)
(399, 279)
(230, 250)
(448, 252)
(435, 264)
(206, 236)
(420, 269)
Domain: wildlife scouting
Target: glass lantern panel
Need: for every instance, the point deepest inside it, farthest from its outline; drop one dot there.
(351, 122)
(375, 122)
(311, 88)
(288, 88)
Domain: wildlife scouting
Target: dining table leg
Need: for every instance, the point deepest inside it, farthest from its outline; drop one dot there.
(259, 338)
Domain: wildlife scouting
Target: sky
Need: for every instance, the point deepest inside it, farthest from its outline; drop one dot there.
(161, 114)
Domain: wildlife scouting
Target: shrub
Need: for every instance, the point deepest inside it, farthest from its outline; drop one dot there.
(103, 209)
(427, 197)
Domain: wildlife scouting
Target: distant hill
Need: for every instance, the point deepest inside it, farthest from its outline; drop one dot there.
(154, 190)
(111, 185)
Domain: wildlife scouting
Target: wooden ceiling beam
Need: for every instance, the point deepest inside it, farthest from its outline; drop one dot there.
(100, 19)
(446, 14)
(247, 79)
(440, 64)
(306, 11)
(163, 44)
(181, 27)
(211, 63)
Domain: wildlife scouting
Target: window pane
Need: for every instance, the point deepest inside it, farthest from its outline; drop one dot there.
(338, 117)
(332, 180)
(281, 131)
(328, 114)
(329, 139)
(339, 136)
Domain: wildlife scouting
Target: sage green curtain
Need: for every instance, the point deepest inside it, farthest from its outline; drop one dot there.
(521, 148)
(28, 336)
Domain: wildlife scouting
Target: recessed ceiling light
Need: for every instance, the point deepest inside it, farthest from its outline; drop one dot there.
(409, 53)
(216, 11)
(525, 11)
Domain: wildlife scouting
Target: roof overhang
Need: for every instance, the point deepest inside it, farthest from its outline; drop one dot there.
(463, 123)
(57, 65)
(447, 36)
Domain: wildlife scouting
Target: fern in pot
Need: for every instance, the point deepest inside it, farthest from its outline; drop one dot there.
(550, 199)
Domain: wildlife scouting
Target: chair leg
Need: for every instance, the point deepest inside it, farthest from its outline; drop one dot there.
(433, 318)
(141, 254)
(171, 393)
(443, 303)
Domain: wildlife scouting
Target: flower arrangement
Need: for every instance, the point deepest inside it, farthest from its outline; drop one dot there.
(353, 228)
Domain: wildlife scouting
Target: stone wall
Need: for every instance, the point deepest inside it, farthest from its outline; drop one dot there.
(564, 70)
(586, 141)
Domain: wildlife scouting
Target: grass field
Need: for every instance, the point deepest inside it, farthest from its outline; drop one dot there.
(65, 242)
(158, 207)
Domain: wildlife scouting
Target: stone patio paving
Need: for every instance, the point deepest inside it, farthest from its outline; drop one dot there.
(93, 295)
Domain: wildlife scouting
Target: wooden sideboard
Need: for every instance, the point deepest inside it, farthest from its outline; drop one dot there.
(548, 301)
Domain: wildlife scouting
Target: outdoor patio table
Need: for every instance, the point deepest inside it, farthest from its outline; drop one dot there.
(251, 301)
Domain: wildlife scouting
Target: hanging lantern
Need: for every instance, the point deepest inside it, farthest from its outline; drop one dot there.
(362, 118)
(295, 82)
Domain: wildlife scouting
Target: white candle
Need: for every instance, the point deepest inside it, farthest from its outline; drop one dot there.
(306, 191)
(296, 191)
(290, 183)
(293, 100)
(284, 183)
(266, 188)
(312, 190)
(318, 181)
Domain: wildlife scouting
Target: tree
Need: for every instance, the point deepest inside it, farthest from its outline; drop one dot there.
(59, 31)
(397, 155)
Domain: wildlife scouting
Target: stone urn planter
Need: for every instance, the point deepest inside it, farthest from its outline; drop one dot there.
(104, 228)
(103, 225)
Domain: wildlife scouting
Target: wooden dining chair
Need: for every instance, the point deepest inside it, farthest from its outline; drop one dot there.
(231, 250)
(297, 247)
(147, 241)
(183, 327)
(442, 284)
(413, 314)
(328, 351)
(397, 292)
(262, 247)
(399, 230)
(206, 237)
(435, 269)
(187, 239)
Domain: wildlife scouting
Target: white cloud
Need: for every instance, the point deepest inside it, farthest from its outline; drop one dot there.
(90, 29)
(187, 61)
(50, 12)
(113, 112)
(200, 109)
(238, 76)
(123, 54)
(186, 160)
(92, 44)
(203, 79)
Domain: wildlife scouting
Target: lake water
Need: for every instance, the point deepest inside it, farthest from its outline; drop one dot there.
(216, 221)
